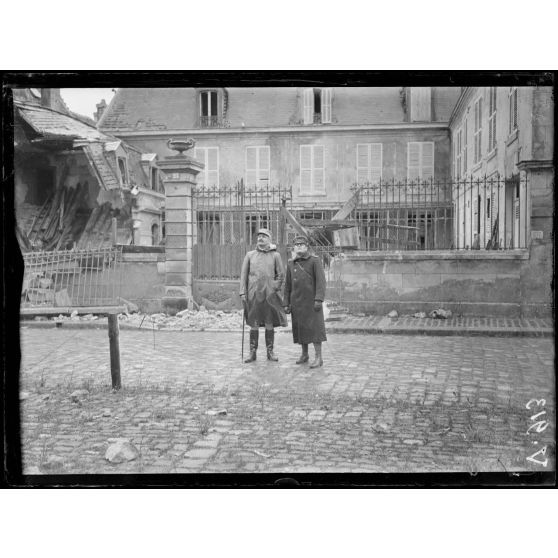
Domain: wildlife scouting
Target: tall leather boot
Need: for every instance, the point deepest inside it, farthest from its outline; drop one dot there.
(269, 339)
(318, 361)
(304, 356)
(254, 336)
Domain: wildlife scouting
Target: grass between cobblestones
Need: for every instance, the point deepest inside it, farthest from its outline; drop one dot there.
(267, 429)
(379, 404)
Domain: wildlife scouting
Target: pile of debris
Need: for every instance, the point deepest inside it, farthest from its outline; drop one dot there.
(186, 320)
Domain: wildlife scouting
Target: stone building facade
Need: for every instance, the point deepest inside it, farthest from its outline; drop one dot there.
(321, 141)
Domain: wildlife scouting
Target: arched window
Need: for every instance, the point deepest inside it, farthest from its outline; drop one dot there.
(154, 234)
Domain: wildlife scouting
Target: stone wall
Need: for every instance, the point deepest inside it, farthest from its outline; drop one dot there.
(143, 277)
(512, 284)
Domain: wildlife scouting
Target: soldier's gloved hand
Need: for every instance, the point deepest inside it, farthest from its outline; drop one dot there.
(317, 305)
(287, 309)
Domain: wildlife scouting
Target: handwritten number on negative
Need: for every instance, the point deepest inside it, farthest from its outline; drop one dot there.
(538, 462)
(538, 426)
(539, 402)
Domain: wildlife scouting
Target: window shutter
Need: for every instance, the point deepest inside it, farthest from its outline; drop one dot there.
(465, 148)
(263, 165)
(375, 162)
(362, 163)
(491, 138)
(326, 105)
(318, 168)
(305, 168)
(212, 166)
(199, 155)
(251, 174)
(427, 160)
(510, 112)
(480, 128)
(515, 108)
(413, 160)
(308, 106)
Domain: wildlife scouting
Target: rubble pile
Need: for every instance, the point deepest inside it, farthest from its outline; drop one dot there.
(186, 320)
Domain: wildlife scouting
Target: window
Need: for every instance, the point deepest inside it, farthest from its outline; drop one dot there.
(477, 137)
(492, 120)
(317, 105)
(513, 109)
(209, 156)
(312, 175)
(154, 234)
(420, 160)
(465, 149)
(122, 169)
(208, 109)
(458, 154)
(369, 162)
(155, 179)
(257, 166)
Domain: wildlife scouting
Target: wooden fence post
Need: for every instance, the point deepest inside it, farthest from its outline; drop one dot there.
(114, 231)
(114, 351)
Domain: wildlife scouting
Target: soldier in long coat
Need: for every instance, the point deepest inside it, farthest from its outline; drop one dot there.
(305, 286)
(261, 280)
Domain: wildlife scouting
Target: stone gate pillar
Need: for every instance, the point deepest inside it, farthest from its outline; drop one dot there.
(180, 172)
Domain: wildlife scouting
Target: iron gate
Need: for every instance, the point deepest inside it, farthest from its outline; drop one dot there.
(226, 222)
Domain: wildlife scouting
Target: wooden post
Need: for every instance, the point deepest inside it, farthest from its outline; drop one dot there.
(114, 231)
(114, 351)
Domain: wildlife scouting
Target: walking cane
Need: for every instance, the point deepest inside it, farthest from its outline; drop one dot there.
(243, 322)
(243, 328)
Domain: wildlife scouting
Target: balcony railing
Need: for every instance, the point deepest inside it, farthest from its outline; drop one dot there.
(209, 122)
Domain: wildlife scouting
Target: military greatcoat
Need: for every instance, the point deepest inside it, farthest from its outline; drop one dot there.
(261, 280)
(305, 283)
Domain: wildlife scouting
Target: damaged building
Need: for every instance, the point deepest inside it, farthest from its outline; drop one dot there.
(78, 188)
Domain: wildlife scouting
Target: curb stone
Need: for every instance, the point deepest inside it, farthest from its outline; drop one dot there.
(336, 328)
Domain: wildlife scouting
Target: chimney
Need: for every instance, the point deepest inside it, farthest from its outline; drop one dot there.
(100, 109)
(51, 98)
(46, 97)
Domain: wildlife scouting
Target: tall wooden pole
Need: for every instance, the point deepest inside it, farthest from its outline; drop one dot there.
(114, 351)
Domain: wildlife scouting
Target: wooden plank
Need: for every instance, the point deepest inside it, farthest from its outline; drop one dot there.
(55, 311)
(348, 207)
(287, 215)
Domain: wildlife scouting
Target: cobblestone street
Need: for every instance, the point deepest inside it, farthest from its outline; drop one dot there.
(381, 403)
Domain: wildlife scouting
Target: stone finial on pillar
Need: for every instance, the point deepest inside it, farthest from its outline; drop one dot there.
(180, 172)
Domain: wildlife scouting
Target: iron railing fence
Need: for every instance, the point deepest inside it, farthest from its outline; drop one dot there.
(234, 214)
(481, 213)
(491, 213)
(72, 278)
